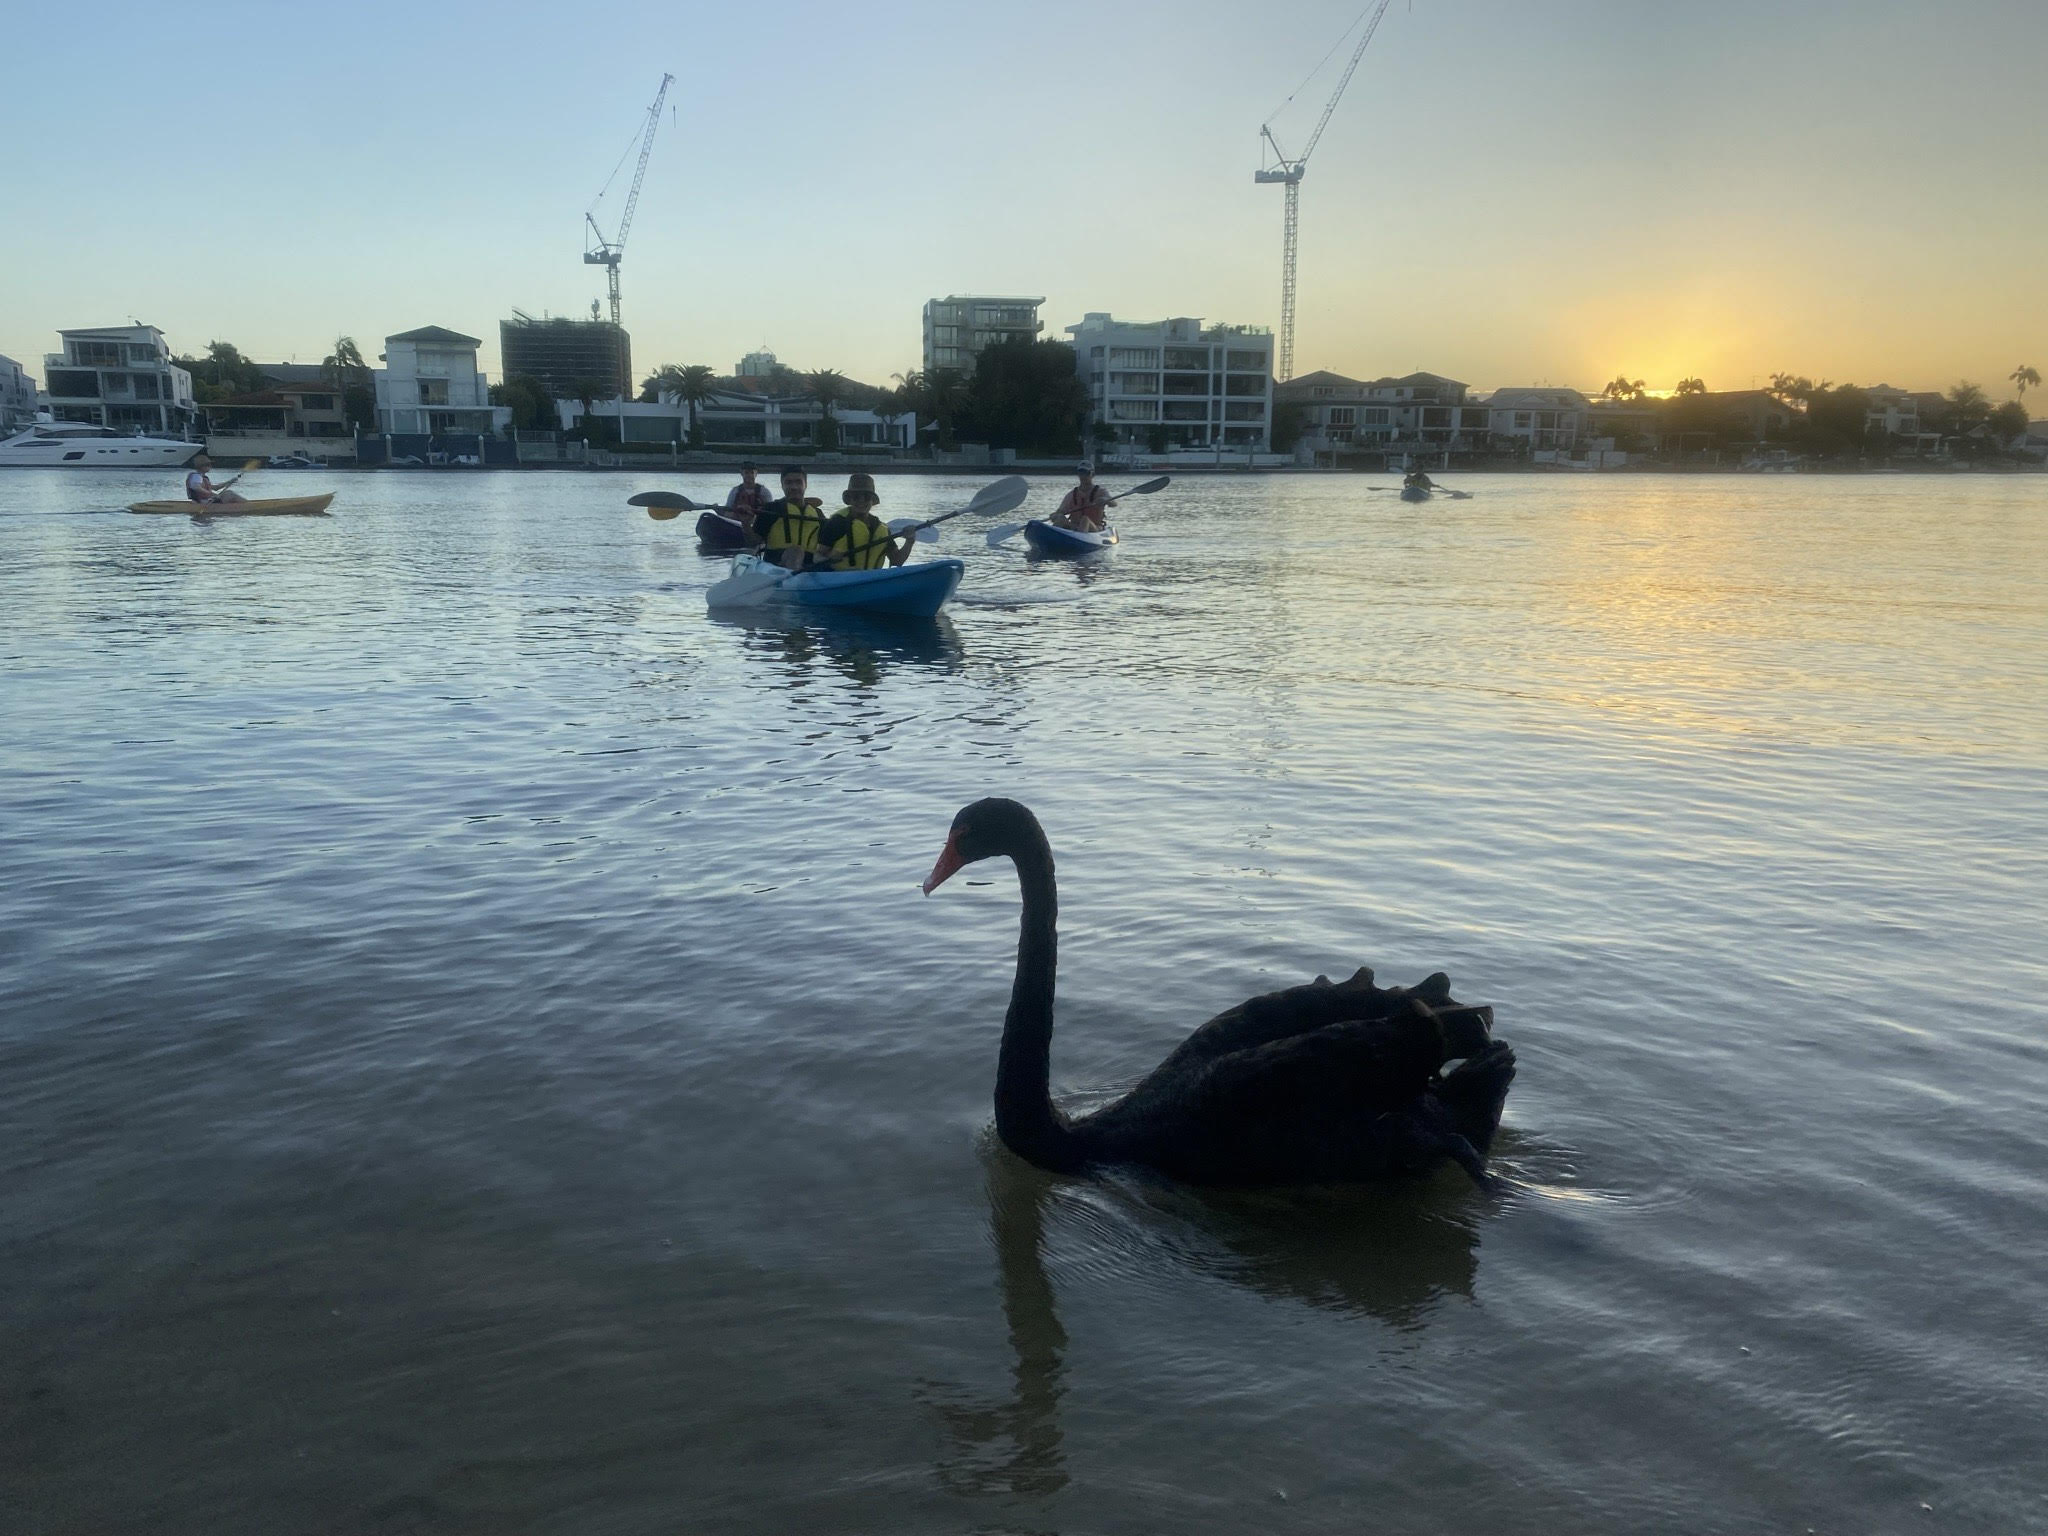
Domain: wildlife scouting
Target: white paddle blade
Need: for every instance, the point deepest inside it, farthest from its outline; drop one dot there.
(1001, 496)
(918, 535)
(1003, 533)
(746, 588)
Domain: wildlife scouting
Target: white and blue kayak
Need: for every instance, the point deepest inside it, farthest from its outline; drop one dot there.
(1050, 539)
(901, 591)
(1415, 493)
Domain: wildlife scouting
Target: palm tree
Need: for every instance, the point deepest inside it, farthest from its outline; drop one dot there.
(693, 385)
(1967, 408)
(1691, 387)
(2024, 378)
(1622, 387)
(889, 410)
(829, 385)
(939, 393)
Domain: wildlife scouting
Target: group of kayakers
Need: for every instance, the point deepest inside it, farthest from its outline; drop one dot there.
(794, 530)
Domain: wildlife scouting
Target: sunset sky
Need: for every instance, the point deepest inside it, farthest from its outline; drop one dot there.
(1508, 193)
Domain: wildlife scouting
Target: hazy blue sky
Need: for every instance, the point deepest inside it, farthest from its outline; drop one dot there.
(1509, 193)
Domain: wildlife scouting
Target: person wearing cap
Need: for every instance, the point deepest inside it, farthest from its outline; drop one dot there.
(856, 539)
(743, 503)
(787, 530)
(199, 485)
(1085, 505)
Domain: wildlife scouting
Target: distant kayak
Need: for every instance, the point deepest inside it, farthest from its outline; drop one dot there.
(285, 506)
(1415, 493)
(904, 591)
(716, 531)
(1050, 539)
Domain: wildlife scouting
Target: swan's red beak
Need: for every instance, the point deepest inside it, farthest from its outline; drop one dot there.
(948, 866)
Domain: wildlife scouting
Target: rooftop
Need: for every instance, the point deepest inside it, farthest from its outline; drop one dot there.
(435, 333)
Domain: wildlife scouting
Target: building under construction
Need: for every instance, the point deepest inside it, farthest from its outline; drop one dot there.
(561, 353)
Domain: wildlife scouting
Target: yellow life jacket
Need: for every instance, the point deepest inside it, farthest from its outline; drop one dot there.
(858, 544)
(795, 526)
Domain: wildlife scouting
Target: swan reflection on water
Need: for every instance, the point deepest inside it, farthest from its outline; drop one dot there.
(859, 647)
(1395, 1254)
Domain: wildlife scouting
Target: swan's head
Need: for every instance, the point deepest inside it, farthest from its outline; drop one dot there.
(985, 830)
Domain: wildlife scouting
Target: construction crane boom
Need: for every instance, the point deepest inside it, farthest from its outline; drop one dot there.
(607, 253)
(1289, 172)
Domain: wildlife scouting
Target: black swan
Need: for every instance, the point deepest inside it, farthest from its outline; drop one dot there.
(1316, 1084)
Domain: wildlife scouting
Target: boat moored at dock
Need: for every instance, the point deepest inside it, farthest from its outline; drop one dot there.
(82, 445)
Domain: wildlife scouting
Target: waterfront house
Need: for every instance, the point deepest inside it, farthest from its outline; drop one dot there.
(120, 377)
(17, 397)
(1538, 420)
(1176, 383)
(757, 412)
(300, 411)
(1415, 412)
(960, 326)
(430, 385)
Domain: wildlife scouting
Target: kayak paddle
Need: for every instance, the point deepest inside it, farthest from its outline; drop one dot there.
(1434, 490)
(1004, 532)
(743, 589)
(664, 505)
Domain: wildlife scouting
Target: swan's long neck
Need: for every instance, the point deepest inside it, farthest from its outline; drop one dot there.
(1025, 1118)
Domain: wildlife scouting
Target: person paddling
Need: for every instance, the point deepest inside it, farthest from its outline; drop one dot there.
(743, 503)
(200, 488)
(1086, 505)
(856, 539)
(787, 530)
(1416, 480)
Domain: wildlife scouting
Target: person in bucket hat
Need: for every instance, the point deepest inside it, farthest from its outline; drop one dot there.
(856, 539)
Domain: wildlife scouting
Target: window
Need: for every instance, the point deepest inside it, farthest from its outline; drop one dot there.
(1343, 416)
(433, 391)
(1247, 410)
(143, 353)
(146, 387)
(1134, 383)
(1188, 357)
(114, 386)
(316, 402)
(74, 384)
(1522, 419)
(1134, 357)
(1375, 416)
(1473, 420)
(1187, 410)
(1245, 384)
(1436, 416)
(1134, 410)
(1187, 384)
(1237, 359)
(96, 354)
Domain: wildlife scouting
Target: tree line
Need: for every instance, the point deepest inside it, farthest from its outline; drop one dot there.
(1833, 420)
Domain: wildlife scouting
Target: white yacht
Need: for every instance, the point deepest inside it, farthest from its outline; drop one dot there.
(81, 445)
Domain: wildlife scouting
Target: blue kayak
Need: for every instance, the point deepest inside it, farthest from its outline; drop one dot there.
(1415, 493)
(1046, 539)
(900, 591)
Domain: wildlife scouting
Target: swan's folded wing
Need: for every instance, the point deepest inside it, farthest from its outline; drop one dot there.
(1282, 1015)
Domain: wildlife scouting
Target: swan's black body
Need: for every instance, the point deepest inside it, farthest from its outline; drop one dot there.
(1316, 1084)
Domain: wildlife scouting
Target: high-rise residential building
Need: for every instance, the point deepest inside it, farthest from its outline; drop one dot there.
(958, 327)
(1177, 383)
(561, 353)
(17, 397)
(757, 365)
(119, 376)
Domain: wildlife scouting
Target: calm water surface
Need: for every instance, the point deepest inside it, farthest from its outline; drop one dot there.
(475, 1058)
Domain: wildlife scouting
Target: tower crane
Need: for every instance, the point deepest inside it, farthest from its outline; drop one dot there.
(606, 253)
(1280, 168)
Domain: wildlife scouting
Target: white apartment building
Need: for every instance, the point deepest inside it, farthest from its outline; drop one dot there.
(1176, 383)
(17, 397)
(120, 377)
(430, 384)
(958, 327)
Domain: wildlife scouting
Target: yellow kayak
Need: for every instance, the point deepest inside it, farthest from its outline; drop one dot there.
(287, 506)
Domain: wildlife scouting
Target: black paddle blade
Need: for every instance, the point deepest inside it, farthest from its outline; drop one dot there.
(1148, 487)
(667, 499)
